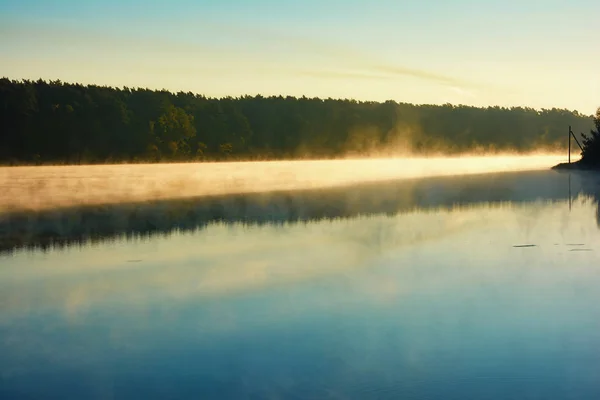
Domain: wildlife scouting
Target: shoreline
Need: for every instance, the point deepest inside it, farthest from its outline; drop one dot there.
(576, 166)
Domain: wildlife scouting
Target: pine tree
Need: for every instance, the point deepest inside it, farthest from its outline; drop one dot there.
(591, 144)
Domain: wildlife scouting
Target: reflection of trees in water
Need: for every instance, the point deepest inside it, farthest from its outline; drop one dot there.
(79, 226)
(591, 157)
(590, 186)
(595, 194)
(597, 200)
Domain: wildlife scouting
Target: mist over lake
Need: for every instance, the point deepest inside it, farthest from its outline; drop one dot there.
(350, 279)
(63, 186)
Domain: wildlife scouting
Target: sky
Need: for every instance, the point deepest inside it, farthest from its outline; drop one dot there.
(533, 53)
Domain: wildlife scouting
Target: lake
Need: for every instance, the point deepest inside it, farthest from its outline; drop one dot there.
(414, 284)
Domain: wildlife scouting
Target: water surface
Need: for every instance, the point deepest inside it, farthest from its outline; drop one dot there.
(479, 287)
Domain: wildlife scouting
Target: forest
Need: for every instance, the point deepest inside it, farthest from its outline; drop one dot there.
(52, 122)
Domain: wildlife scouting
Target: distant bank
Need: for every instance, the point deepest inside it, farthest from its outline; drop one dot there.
(54, 122)
(577, 166)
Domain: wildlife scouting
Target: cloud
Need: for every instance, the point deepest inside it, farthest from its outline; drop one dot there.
(340, 74)
(383, 72)
(342, 53)
(420, 74)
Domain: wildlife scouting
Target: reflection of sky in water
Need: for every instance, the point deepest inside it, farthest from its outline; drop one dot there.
(427, 303)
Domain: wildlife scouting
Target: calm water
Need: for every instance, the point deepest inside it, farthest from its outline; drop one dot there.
(481, 287)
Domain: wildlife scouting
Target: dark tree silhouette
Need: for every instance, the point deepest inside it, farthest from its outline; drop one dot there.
(591, 144)
(55, 122)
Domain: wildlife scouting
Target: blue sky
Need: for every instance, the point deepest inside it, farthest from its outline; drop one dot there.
(530, 53)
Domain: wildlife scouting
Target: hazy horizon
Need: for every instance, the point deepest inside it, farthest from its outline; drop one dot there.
(495, 54)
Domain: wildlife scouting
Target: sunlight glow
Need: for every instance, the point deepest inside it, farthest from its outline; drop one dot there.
(63, 186)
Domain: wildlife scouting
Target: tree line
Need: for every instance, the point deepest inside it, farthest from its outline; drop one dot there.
(57, 122)
(591, 145)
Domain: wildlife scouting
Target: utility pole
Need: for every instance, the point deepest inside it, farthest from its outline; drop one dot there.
(569, 144)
